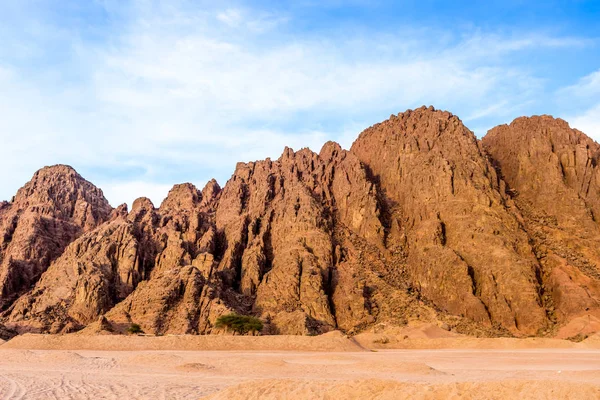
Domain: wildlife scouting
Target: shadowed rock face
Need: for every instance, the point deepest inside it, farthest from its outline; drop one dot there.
(418, 221)
(552, 173)
(46, 214)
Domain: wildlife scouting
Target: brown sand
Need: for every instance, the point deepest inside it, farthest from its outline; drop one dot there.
(393, 390)
(332, 341)
(59, 367)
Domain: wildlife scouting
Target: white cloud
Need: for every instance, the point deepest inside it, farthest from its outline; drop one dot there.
(588, 122)
(579, 97)
(254, 22)
(587, 86)
(495, 45)
(127, 192)
(231, 17)
(181, 89)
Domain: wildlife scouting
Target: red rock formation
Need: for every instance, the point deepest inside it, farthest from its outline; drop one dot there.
(285, 241)
(465, 249)
(104, 267)
(49, 212)
(415, 222)
(289, 226)
(552, 173)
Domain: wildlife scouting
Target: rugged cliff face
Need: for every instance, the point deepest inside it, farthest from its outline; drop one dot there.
(103, 267)
(447, 209)
(297, 241)
(552, 174)
(305, 242)
(46, 214)
(418, 221)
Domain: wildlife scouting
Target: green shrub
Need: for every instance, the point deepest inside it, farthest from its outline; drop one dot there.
(134, 329)
(241, 324)
(382, 340)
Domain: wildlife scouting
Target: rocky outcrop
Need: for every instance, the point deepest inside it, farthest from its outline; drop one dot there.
(184, 293)
(92, 275)
(103, 267)
(297, 241)
(6, 334)
(298, 231)
(447, 211)
(418, 221)
(552, 174)
(286, 240)
(46, 214)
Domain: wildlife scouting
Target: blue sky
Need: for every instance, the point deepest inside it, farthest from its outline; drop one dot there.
(139, 95)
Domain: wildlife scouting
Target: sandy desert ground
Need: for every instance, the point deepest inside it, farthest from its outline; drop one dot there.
(326, 367)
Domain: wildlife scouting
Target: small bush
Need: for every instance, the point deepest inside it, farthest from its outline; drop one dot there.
(580, 337)
(134, 329)
(383, 340)
(241, 324)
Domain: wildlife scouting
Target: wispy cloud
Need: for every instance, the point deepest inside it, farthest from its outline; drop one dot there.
(583, 102)
(588, 122)
(587, 87)
(254, 22)
(175, 92)
(124, 192)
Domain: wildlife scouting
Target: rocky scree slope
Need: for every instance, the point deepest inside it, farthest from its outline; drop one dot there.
(417, 221)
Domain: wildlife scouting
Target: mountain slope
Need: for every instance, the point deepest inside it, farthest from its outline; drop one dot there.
(418, 221)
(552, 173)
(465, 249)
(46, 214)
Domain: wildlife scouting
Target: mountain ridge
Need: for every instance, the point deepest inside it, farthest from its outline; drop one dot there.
(417, 221)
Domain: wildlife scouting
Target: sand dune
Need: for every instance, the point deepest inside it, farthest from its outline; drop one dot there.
(333, 341)
(430, 336)
(391, 390)
(425, 336)
(101, 367)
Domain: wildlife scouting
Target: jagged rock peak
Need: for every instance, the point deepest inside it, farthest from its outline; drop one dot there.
(210, 192)
(54, 208)
(330, 150)
(121, 211)
(537, 119)
(141, 206)
(552, 174)
(288, 152)
(57, 169)
(522, 147)
(540, 126)
(426, 123)
(182, 196)
(142, 203)
(439, 187)
(46, 176)
(58, 189)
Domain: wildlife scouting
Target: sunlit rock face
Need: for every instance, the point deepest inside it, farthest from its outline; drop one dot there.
(418, 221)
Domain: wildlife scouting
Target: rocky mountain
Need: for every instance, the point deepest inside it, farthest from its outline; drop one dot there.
(419, 220)
(554, 178)
(47, 214)
(465, 249)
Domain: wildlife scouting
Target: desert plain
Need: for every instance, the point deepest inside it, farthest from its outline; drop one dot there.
(421, 363)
